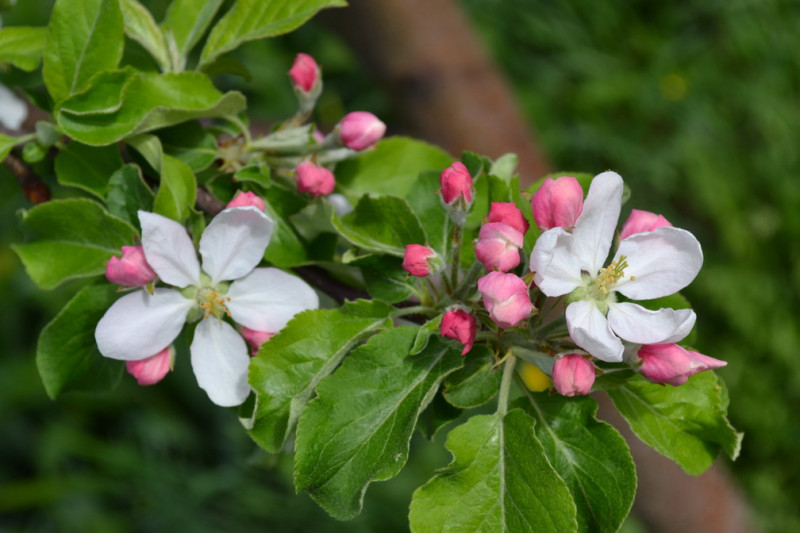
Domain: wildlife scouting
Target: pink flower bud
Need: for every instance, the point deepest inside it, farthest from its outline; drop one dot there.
(557, 203)
(359, 130)
(573, 375)
(244, 199)
(459, 325)
(317, 181)
(506, 298)
(641, 222)
(153, 369)
(131, 270)
(498, 246)
(456, 184)
(304, 73)
(255, 338)
(670, 363)
(508, 213)
(318, 136)
(420, 260)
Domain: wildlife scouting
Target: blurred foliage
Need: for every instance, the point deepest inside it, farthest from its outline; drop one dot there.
(695, 105)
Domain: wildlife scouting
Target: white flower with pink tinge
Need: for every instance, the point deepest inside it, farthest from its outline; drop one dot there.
(141, 324)
(646, 265)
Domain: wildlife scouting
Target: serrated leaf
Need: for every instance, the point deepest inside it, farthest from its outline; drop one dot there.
(22, 46)
(128, 193)
(140, 26)
(184, 31)
(146, 101)
(84, 37)
(428, 329)
(257, 19)
(589, 455)
(499, 481)
(67, 356)
(384, 277)
(476, 383)
(390, 168)
(177, 190)
(190, 143)
(358, 428)
(687, 424)
(426, 202)
(87, 167)
(288, 368)
(75, 239)
(382, 224)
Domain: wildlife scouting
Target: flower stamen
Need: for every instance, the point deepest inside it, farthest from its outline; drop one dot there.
(608, 277)
(212, 303)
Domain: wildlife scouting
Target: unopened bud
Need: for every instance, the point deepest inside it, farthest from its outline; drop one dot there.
(315, 180)
(506, 298)
(304, 73)
(420, 260)
(359, 130)
(672, 364)
(459, 325)
(573, 375)
(508, 213)
(130, 270)
(534, 378)
(498, 246)
(255, 338)
(640, 222)
(457, 191)
(151, 370)
(244, 199)
(557, 203)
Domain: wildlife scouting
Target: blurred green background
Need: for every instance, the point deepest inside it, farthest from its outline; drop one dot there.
(695, 104)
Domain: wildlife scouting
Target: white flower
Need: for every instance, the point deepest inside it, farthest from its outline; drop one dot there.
(141, 324)
(646, 265)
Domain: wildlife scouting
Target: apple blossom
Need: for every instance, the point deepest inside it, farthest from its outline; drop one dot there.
(498, 246)
(419, 260)
(460, 325)
(263, 299)
(360, 130)
(642, 221)
(558, 203)
(314, 180)
(646, 265)
(506, 298)
(508, 213)
(573, 375)
(130, 270)
(151, 370)
(672, 364)
(243, 199)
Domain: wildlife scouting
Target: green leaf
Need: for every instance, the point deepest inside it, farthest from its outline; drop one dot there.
(128, 193)
(227, 65)
(391, 168)
(504, 166)
(84, 37)
(687, 424)
(6, 145)
(384, 276)
(426, 202)
(358, 428)
(22, 46)
(285, 248)
(184, 31)
(178, 189)
(190, 143)
(67, 356)
(288, 368)
(476, 383)
(499, 481)
(424, 334)
(381, 224)
(141, 27)
(437, 415)
(75, 239)
(87, 167)
(257, 174)
(257, 19)
(589, 455)
(145, 102)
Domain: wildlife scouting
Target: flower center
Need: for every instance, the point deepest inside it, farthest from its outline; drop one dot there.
(608, 277)
(211, 302)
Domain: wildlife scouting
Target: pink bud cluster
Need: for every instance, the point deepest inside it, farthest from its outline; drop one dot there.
(501, 238)
(506, 298)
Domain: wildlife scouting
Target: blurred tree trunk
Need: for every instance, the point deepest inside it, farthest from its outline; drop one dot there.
(449, 91)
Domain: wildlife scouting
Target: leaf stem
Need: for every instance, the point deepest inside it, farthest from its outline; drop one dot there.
(455, 258)
(415, 310)
(505, 385)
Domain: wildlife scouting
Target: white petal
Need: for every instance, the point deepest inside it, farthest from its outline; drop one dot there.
(636, 324)
(594, 229)
(557, 269)
(267, 298)
(590, 330)
(140, 325)
(169, 250)
(220, 361)
(13, 110)
(234, 242)
(663, 262)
